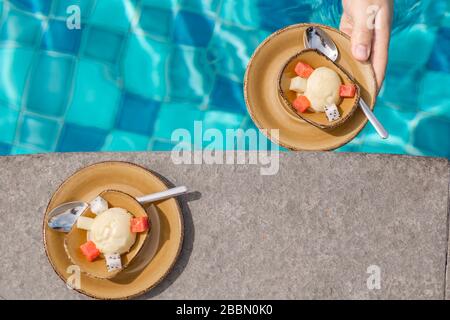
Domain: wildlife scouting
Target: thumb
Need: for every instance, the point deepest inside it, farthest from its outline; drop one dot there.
(362, 37)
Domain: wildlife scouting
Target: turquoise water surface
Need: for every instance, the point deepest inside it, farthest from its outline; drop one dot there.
(139, 69)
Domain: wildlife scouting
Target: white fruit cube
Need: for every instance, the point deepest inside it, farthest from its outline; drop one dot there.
(113, 262)
(332, 112)
(84, 223)
(298, 84)
(98, 205)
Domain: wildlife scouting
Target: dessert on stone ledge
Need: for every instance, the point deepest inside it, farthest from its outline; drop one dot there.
(110, 234)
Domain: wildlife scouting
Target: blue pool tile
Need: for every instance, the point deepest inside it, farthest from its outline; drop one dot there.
(228, 95)
(50, 84)
(125, 141)
(380, 147)
(220, 121)
(230, 55)
(20, 150)
(80, 138)
(144, 67)
(446, 19)
(262, 143)
(440, 57)
(399, 125)
(137, 114)
(161, 145)
(20, 28)
(113, 14)
(193, 29)
(166, 4)
(431, 135)
(5, 149)
(60, 7)
(157, 21)
(352, 146)
(323, 12)
(433, 11)
(98, 39)
(14, 62)
(59, 38)
(39, 132)
(396, 122)
(202, 6)
(96, 96)
(275, 15)
(401, 88)
(191, 77)
(419, 39)
(242, 13)
(8, 124)
(216, 119)
(35, 6)
(434, 94)
(173, 116)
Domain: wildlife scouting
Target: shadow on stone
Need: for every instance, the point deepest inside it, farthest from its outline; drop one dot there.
(188, 242)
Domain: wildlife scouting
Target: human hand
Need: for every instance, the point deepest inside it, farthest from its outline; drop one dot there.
(368, 23)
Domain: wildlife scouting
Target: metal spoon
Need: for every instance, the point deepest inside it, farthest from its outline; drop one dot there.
(63, 217)
(316, 38)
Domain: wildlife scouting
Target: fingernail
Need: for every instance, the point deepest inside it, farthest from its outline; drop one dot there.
(361, 52)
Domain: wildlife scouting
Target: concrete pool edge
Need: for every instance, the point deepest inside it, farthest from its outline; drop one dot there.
(321, 248)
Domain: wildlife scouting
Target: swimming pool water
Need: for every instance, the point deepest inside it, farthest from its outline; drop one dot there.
(138, 69)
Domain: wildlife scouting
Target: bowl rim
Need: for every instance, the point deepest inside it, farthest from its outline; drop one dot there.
(180, 242)
(286, 101)
(112, 274)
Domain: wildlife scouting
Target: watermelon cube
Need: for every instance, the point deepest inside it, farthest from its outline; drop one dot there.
(303, 70)
(90, 251)
(347, 91)
(301, 104)
(140, 224)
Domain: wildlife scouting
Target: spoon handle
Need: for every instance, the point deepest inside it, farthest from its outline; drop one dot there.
(162, 195)
(373, 120)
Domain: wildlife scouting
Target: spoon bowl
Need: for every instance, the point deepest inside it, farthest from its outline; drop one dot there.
(316, 38)
(63, 217)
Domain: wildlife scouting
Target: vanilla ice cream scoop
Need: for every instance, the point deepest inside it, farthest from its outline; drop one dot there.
(322, 88)
(111, 231)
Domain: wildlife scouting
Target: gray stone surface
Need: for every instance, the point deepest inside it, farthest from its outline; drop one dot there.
(447, 278)
(309, 232)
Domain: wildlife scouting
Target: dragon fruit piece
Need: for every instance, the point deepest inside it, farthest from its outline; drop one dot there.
(332, 112)
(98, 205)
(113, 262)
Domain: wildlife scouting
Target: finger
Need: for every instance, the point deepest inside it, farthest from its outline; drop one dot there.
(362, 35)
(381, 45)
(346, 24)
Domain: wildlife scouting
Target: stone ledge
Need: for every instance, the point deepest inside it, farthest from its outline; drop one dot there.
(308, 232)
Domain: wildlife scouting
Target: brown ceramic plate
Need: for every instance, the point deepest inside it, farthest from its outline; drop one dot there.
(76, 237)
(265, 105)
(316, 59)
(160, 251)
